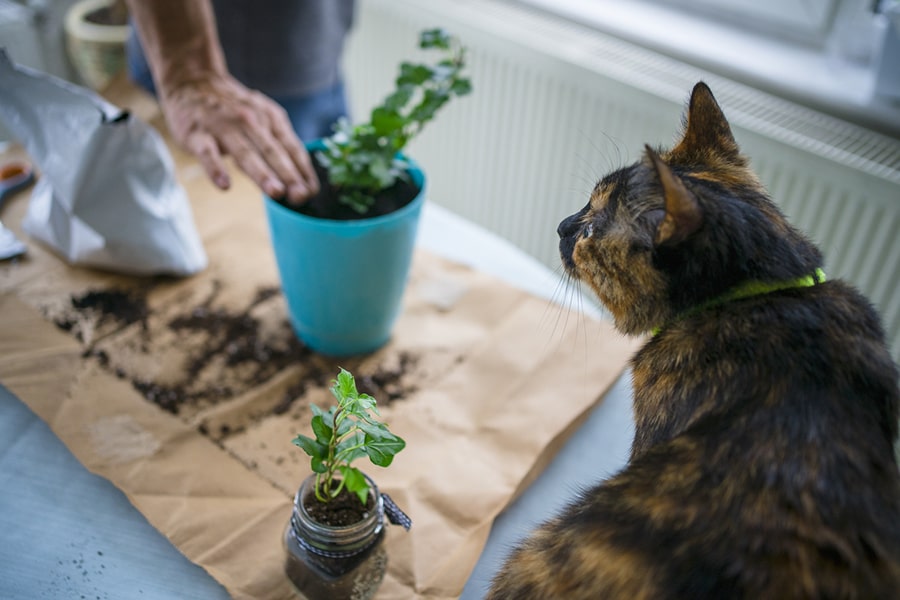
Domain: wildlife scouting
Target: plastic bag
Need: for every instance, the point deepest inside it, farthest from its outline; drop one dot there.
(107, 196)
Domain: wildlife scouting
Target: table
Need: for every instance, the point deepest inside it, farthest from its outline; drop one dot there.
(71, 534)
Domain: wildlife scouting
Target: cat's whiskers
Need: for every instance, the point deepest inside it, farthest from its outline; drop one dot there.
(604, 151)
(557, 303)
(582, 321)
(567, 299)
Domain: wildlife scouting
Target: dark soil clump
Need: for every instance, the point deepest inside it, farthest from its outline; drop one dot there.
(231, 338)
(325, 204)
(344, 509)
(114, 305)
(167, 398)
(387, 384)
(235, 337)
(119, 307)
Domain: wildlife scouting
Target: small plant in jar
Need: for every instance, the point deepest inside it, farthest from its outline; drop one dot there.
(334, 540)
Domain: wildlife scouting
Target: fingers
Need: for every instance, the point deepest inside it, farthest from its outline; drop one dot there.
(308, 184)
(298, 162)
(225, 118)
(250, 159)
(204, 147)
(277, 151)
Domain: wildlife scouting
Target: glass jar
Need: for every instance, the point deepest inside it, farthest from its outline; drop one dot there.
(335, 563)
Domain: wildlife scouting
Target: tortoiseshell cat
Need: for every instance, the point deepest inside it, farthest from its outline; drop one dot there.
(765, 400)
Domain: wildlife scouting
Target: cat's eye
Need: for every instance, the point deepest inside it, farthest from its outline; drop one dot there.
(588, 230)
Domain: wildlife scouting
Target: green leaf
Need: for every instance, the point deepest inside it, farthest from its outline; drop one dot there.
(376, 431)
(317, 465)
(427, 106)
(344, 386)
(396, 101)
(444, 71)
(357, 200)
(461, 87)
(385, 120)
(367, 402)
(345, 426)
(349, 455)
(339, 174)
(323, 432)
(323, 159)
(381, 452)
(356, 482)
(311, 447)
(411, 74)
(435, 38)
(380, 169)
(356, 438)
(327, 416)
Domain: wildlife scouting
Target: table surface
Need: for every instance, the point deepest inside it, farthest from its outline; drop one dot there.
(71, 534)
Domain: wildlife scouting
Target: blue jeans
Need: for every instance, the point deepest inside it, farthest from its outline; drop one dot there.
(312, 116)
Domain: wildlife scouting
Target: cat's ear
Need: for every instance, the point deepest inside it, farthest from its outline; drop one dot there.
(683, 215)
(707, 134)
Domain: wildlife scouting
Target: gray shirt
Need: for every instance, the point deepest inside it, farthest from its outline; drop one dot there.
(284, 47)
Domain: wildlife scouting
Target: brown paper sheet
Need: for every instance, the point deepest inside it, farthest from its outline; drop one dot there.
(186, 394)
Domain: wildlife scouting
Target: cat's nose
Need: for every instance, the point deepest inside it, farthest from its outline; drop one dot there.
(568, 226)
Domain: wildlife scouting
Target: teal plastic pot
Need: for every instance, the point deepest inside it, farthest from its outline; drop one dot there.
(343, 281)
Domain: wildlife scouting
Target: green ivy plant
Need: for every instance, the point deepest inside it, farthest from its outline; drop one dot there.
(362, 159)
(344, 433)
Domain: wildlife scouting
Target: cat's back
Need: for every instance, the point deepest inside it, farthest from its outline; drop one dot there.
(771, 471)
(810, 353)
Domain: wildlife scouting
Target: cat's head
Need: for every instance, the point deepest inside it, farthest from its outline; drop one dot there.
(680, 227)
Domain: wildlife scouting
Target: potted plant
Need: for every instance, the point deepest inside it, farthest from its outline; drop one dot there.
(344, 256)
(334, 539)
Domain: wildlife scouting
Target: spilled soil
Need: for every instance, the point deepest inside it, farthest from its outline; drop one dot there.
(115, 307)
(220, 353)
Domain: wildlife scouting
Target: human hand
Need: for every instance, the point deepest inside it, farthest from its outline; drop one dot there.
(215, 117)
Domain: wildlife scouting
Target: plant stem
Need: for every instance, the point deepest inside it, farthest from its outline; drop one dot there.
(331, 462)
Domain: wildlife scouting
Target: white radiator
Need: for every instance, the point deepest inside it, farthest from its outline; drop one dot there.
(556, 105)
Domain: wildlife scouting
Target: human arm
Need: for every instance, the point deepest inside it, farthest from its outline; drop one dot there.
(209, 112)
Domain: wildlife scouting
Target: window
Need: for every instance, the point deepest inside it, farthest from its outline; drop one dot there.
(823, 53)
(801, 20)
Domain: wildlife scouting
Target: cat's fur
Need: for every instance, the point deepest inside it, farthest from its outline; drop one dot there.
(763, 463)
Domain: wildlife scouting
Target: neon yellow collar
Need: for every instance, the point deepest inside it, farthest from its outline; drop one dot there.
(753, 288)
